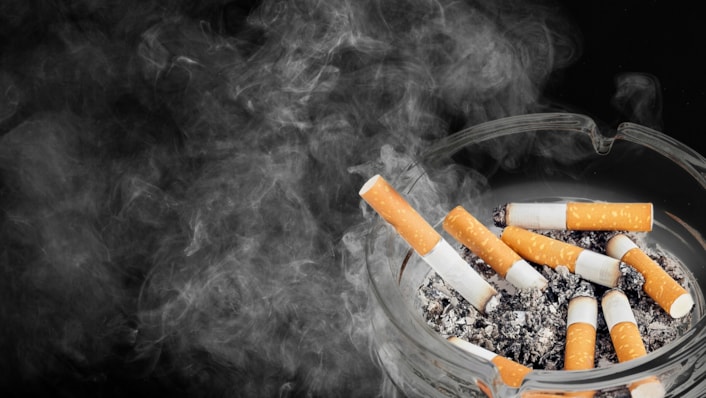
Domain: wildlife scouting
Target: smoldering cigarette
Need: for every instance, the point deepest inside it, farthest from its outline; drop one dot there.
(580, 216)
(429, 244)
(659, 285)
(581, 321)
(465, 228)
(627, 340)
(540, 249)
(511, 372)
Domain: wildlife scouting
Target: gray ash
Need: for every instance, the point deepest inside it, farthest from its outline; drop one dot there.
(529, 325)
(499, 216)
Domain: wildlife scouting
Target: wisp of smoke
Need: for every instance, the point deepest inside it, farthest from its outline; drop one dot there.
(179, 179)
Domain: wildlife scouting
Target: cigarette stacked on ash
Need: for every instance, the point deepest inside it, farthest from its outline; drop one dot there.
(540, 249)
(580, 216)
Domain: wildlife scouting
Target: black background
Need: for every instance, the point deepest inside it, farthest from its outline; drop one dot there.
(659, 38)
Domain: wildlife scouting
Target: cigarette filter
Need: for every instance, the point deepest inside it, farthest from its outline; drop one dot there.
(659, 285)
(581, 216)
(511, 372)
(433, 249)
(480, 240)
(627, 341)
(541, 249)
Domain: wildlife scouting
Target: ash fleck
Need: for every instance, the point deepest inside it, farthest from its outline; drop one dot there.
(499, 216)
(529, 325)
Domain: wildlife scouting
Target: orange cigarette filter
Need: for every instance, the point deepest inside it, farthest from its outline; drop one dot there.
(627, 340)
(596, 216)
(394, 209)
(541, 249)
(511, 372)
(659, 285)
(581, 216)
(466, 229)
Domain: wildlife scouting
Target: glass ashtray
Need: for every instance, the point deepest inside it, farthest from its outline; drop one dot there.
(539, 158)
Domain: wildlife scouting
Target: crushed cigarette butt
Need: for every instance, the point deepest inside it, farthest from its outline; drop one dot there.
(671, 296)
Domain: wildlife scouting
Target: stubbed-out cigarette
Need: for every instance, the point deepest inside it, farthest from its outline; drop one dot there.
(627, 341)
(659, 285)
(581, 216)
(510, 371)
(465, 228)
(580, 350)
(581, 319)
(540, 249)
(429, 244)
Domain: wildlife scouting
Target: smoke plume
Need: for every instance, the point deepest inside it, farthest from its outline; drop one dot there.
(179, 179)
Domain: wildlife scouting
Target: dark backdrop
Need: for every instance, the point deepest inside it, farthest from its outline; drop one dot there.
(177, 220)
(661, 39)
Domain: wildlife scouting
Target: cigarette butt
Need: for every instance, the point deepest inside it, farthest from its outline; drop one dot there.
(434, 250)
(580, 350)
(622, 326)
(511, 372)
(581, 216)
(465, 228)
(581, 333)
(659, 285)
(627, 341)
(540, 249)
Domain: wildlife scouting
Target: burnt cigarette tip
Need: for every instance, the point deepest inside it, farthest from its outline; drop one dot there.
(492, 304)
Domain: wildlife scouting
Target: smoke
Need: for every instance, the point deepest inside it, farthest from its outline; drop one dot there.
(638, 99)
(179, 179)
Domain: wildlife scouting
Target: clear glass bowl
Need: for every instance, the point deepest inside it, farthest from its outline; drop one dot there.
(554, 156)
